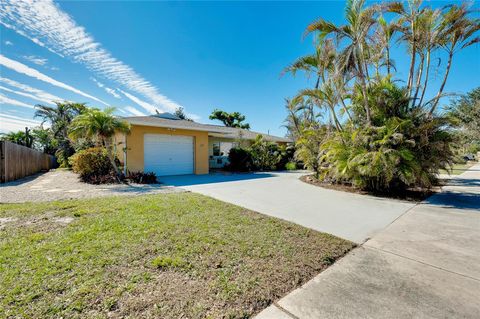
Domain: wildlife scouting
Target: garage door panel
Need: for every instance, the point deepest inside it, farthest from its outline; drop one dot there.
(168, 154)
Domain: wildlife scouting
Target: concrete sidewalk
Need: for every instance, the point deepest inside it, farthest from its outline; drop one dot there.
(426, 264)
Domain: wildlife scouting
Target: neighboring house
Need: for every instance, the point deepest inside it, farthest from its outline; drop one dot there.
(167, 145)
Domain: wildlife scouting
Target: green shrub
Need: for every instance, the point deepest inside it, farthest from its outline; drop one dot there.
(291, 166)
(265, 155)
(93, 166)
(400, 154)
(240, 159)
(286, 154)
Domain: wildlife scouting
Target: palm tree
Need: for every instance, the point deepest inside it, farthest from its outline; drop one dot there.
(60, 118)
(408, 25)
(384, 35)
(458, 32)
(319, 64)
(353, 57)
(101, 127)
(431, 37)
(19, 137)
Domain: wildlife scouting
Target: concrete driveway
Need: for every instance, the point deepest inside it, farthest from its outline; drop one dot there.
(426, 264)
(283, 195)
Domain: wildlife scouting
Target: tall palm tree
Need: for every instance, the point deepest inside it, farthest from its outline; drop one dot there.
(101, 127)
(356, 34)
(408, 24)
(319, 64)
(60, 118)
(459, 31)
(431, 37)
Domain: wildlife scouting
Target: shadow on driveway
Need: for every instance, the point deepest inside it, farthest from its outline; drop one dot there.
(188, 180)
(450, 199)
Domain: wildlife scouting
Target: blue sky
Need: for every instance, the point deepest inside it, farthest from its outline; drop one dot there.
(139, 56)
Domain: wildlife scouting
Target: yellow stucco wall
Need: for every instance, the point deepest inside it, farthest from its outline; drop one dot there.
(135, 152)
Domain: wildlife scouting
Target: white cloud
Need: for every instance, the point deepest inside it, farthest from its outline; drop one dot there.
(31, 96)
(99, 84)
(39, 94)
(8, 101)
(8, 42)
(35, 59)
(107, 89)
(43, 22)
(30, 92)
(24, 69)
(134, 111)
(147, 106)
(10, 123)
(113, 92)
(121, 111)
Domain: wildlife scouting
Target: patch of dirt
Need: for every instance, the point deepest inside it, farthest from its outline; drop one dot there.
(45, 222)
(4, 221)
(63, 220)
(412, 195)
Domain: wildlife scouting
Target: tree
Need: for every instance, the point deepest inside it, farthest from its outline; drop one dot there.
(99, 126)
(234, 119)
(43, 140)
(459, 33)
(357, 125)
(353, 56)
(465, 112)
(20, 137)
(60, 118)
(180, 113)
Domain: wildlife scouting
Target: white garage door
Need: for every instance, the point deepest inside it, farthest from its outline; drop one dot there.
(168, 154)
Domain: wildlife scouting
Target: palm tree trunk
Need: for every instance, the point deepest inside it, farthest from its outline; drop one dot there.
(387, 48)
(437, 98)
(335, 119)
(412, 61)
(419, 79)
(425, 82)
(111, 157)
(364, 87)
(346, 109)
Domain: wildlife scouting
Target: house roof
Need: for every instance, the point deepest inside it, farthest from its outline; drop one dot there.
(214, 130)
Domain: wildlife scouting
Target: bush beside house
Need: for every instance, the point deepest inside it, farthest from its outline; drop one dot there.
(93, 166)
(261, 155)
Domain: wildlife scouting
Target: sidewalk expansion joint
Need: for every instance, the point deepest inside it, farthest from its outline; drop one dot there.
(421, 262)
(285, 311)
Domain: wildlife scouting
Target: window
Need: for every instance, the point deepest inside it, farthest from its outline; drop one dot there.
(216, 149)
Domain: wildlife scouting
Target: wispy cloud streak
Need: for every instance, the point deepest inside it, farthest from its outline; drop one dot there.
(107, 89)
(24, 69)
(28, 91)
(35, 59)
(134, 111)
(147, 106)
(47, 25)
(8, 101)
(15, 123)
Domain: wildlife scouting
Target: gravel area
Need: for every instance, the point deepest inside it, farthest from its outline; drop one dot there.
(63, 184)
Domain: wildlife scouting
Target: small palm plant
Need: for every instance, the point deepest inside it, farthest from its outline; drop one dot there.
(101, 127)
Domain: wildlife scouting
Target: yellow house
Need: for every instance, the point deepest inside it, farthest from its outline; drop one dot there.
(167, 145)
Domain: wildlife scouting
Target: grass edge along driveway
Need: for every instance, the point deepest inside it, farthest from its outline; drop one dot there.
(165, 256)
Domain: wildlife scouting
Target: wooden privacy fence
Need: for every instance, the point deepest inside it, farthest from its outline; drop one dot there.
(17, 161)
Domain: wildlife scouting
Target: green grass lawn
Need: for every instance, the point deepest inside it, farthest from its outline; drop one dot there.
(457, 169)
(156, 256)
